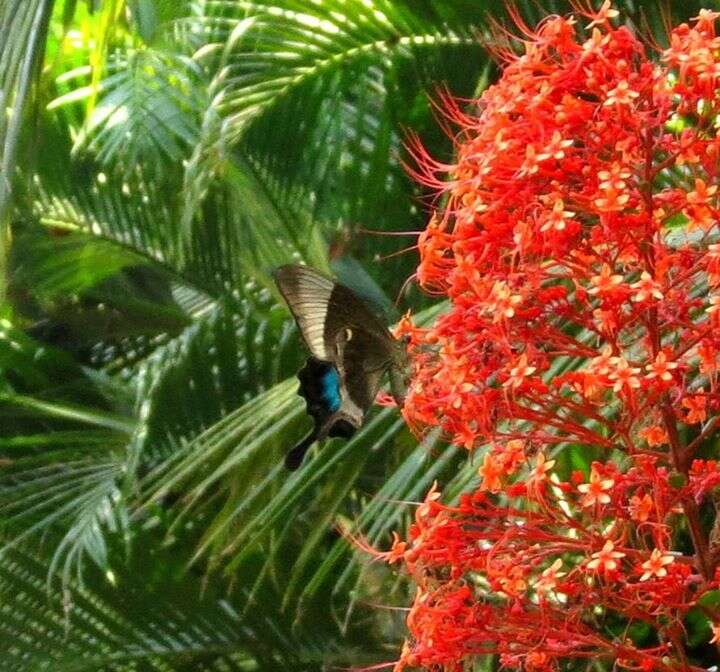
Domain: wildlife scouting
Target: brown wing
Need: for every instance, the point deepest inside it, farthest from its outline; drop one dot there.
(362, 368)
(325, 310)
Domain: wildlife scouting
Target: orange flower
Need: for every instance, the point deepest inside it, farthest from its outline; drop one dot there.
(397, 551)
(612, 200)
(502, 301)
(511, 455)
(646, 288)
(656, 565)
(592, 385)
(661, 368)
(702, 195)
(513, 580)
(537, 660)
(603, 363)
(654, 435)
(614, 177)
(605, 560)
(606, 321)
(641, 508)
(532, 161)
(595, 492)
(428, 506)
(699, 218)
(696, 405)
(624, 375)
(520, 372)
(622, 94)
(556, 220)
(538, 474)
(713, 264)
(603, 15)
(491, 470)
(708, 357)
(556, 147)
(548, 579)
(706, 19)
(605, 282)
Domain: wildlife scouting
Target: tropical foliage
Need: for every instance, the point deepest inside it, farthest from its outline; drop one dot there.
(157, 159)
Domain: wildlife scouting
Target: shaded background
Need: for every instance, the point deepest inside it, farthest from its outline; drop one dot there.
(158, 158)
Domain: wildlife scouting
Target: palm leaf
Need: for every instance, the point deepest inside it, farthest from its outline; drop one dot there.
(114, 624)
(146, 109)
(338, 67)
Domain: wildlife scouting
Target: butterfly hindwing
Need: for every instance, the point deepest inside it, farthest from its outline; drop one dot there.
(321, 387)
(362, 367)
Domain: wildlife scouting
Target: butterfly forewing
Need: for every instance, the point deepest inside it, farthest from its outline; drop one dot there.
(327, 313)
(308, 297)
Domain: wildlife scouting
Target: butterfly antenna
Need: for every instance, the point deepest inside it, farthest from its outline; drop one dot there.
(403, 288)
(396, 254)
(374, 232)
(295, 457)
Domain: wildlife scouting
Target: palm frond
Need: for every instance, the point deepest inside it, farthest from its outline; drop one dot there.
(225, 360)
(81, 496)
(67, 264)
(62, 452)
(351, 73)
(114, 623)
(146, 111)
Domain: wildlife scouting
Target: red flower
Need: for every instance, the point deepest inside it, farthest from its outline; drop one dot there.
(491, 470)
(654, 435)
(579, 319)
(696, 406)
(641, 508)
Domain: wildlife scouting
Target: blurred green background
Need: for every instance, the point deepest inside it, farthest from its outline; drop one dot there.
(157, 159)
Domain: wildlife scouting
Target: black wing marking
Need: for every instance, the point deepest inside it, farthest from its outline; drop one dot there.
(363, 366)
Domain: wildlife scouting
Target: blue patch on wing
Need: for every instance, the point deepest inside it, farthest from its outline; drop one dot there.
(330, 382)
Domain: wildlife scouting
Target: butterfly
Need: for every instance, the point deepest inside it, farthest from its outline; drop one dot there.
(351, 349)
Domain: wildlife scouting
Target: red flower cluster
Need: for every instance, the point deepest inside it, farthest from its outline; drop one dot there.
(576, 249)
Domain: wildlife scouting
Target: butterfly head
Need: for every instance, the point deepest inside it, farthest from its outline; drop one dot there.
(400, 371)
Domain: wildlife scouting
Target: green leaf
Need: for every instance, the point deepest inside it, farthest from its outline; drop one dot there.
(70, 412)
(63, 264)
(118, 623)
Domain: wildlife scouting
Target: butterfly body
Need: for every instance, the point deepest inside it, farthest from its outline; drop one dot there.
(351, 349)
